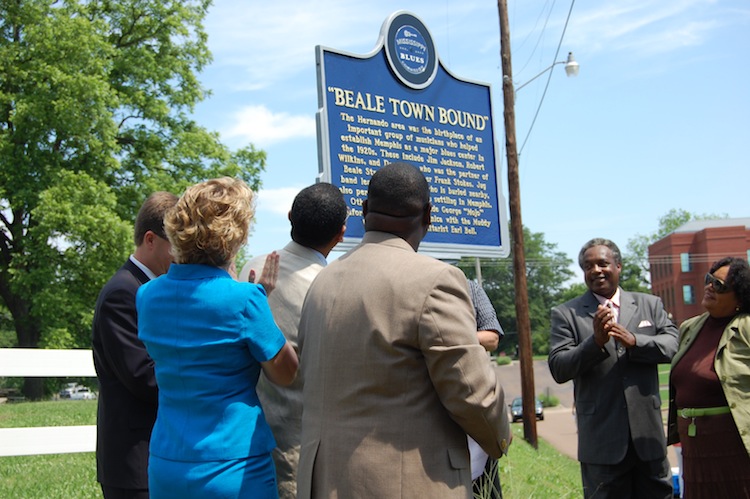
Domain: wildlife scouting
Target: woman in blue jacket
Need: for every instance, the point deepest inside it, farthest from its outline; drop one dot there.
(210, 336)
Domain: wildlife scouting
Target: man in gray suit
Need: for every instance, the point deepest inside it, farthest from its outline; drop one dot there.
(318, 219)
(394, 374)
(609, 342)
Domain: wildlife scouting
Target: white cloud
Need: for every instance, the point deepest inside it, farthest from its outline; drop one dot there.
(646, 27)
(277, 201)
(689, 35)
(271, 44)
(265, 43)
(262, 127)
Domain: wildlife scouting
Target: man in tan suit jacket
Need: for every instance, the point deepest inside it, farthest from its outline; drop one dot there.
(394, 374)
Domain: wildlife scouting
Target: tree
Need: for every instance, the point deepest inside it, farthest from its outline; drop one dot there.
(573, 291)
(631, 278)
(636, 258)
(95, 98)
(547, 270)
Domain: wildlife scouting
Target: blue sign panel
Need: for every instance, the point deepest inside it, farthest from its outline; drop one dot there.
(400, 104)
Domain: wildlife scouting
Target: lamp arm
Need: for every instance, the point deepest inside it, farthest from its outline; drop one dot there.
(540, 74)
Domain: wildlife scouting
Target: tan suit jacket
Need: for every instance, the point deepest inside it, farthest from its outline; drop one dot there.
(394, 378)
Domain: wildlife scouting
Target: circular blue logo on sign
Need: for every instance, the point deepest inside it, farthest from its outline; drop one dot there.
(411, 49)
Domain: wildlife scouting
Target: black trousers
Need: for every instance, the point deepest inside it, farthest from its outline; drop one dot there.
(117, 493)
(630, 478)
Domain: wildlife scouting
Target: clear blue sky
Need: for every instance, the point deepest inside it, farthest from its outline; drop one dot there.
(658, 118)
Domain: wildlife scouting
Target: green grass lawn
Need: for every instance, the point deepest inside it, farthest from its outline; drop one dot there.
(55, 476)
(664, 385)
(538, 473)
(51, 413)
(664, 374)
(524, 472)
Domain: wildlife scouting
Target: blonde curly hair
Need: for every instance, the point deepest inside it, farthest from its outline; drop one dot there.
(210, 222)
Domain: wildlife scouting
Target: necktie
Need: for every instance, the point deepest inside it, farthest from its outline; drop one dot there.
(614, 309)
(615, 316)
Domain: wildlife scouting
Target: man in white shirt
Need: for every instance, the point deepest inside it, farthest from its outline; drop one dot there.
(318, 219)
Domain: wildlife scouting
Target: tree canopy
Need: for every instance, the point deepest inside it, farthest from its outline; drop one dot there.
(95, 104)
(547, 271)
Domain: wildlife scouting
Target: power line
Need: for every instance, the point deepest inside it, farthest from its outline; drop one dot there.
(694, 258)
(549, 78)
(541, 34)
(540, 262)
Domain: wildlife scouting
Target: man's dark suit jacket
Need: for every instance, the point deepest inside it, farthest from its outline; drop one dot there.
(127, 387)
(616, 393)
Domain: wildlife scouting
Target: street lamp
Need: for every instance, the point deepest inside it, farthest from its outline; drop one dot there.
(571, 69)
(571, 66)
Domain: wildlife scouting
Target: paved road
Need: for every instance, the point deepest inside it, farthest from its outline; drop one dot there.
(558, 428)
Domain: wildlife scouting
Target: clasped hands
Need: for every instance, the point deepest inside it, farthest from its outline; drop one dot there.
(605, 328)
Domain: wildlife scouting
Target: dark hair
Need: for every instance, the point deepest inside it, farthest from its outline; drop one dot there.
(600, 241)
(151, 215)
(738, 279)
(398, 189)
(318, 213)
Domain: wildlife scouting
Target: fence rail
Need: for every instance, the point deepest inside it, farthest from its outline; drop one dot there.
(32, 362)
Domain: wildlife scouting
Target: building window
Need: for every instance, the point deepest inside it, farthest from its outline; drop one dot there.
(687, 294)
(685, 262)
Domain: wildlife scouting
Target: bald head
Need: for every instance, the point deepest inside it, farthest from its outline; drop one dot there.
(398, 189)
(398, 202)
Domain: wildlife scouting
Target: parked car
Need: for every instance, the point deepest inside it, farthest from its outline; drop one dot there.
(516, 409)
(82, 393)
(77, 392)
(67, 390)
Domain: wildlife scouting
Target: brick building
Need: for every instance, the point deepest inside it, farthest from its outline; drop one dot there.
(680, 261)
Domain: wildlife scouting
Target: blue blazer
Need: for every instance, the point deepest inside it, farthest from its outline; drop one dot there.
(616, 393)
(207, 334)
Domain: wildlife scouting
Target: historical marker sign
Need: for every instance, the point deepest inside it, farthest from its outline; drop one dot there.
(399, 103)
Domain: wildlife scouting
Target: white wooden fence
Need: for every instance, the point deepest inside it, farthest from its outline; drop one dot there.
(32, 362)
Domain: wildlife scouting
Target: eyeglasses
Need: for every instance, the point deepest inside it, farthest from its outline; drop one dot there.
(718, 285)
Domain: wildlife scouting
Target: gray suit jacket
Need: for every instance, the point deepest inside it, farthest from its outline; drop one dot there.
(394, 378)
(616, 393)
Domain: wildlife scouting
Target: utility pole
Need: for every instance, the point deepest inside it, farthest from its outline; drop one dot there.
(516, 229)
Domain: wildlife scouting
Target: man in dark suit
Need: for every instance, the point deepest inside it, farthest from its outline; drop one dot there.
(127, 386)
(609, 342)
